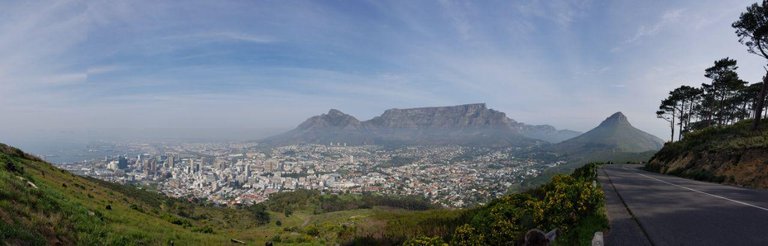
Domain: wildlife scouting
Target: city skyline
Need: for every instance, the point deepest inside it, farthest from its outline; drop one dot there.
(250, 70)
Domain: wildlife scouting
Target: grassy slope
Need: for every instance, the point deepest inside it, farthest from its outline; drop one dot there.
(735, 137)
(733, 154)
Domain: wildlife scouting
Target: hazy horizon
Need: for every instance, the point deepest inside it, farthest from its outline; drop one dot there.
(89, 71)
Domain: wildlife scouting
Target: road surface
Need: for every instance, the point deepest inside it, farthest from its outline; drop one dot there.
(652, 209)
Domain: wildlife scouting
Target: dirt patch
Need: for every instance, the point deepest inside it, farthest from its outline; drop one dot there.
(747, 167)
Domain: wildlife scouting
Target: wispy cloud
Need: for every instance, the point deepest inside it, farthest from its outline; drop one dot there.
(224, 36)
(562, 12)
(668, 18)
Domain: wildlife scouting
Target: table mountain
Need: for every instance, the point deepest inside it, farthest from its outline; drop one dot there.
(469, 124)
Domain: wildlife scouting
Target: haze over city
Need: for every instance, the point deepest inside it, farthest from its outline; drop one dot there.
(92, 70)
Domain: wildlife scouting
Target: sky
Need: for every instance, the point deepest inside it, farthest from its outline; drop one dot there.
(241, 70)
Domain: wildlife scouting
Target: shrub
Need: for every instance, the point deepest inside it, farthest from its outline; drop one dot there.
(466, 235)
(12, 167)
(312, 231)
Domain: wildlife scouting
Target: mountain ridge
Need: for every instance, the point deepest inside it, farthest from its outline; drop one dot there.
(459, 124)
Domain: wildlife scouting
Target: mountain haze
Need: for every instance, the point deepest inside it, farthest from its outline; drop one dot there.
(548, 133)
(469, 124)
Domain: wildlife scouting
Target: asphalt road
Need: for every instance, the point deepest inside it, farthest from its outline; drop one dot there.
(675, 211)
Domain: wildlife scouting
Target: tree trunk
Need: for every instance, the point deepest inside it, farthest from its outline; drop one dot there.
(681, 119)
(672, 125)
(760, 104)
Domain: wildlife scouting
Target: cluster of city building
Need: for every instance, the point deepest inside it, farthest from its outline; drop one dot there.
(452, 176)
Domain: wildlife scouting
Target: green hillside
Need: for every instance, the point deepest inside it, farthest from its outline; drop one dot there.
(733, 154)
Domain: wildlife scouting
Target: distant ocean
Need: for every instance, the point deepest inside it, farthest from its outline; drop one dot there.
(65, 152)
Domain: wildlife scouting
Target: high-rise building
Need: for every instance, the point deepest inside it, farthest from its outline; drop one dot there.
(170, 161)
(122, 162)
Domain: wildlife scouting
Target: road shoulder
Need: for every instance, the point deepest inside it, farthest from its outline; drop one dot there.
(624, 229)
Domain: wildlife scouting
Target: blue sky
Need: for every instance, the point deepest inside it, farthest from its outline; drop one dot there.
(252, 68)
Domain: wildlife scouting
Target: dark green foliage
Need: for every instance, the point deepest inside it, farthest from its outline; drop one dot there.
(734, 137)
(370, 240)
(176, 220)
(287, 202)
(330, 203)
(276, 238)
(259, 213)
(204, 229)
(12, 167)
(298, 199)
(466, 235)
(587, 172)
(724, 101)
(137, 208)
(11, 235)
(291, 229)
(312, 231)
(752, 30)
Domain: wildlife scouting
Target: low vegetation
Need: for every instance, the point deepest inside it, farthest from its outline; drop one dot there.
(722, 154)
(725, 138)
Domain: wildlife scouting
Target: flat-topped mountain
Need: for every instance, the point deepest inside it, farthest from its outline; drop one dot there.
(615, 135)
(461, 116)
(469, 124)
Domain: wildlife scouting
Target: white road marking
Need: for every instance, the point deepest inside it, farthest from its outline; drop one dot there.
(705, 193)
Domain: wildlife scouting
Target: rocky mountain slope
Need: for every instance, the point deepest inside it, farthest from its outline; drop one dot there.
(473, 124)
(614, 137)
